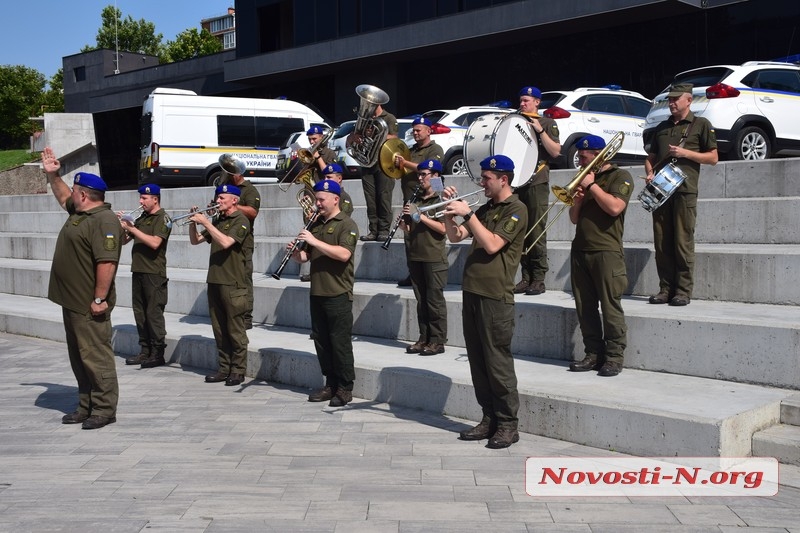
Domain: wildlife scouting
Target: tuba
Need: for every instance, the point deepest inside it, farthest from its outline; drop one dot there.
(231, 165)
(364, 144)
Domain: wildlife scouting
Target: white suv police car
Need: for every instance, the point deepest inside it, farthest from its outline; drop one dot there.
(753, 107)
(601, 111)
(448, 130)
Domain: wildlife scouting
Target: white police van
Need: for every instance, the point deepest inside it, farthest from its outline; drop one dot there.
(183, 135)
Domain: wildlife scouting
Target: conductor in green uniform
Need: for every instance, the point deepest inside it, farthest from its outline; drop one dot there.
(82, 283)
(597, 260)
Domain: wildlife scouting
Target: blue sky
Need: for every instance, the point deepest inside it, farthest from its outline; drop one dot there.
(38, 33)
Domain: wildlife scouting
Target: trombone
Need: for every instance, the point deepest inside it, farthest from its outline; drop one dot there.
(211, 211)
(301, 170)
(567, 194)
(416, 211)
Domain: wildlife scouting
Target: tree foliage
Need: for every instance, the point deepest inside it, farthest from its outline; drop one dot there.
(130, 35)
(190, 44)
(21, 97)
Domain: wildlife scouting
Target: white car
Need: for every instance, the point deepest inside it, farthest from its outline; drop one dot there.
(448, 130)
(601, 111)
(753, 107)
(287, 153)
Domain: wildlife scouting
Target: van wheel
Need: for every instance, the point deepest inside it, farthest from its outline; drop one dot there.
(572, 157)
(752, 144)
(456, 165)
(215, 178)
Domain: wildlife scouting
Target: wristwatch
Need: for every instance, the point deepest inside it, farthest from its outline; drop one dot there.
(98, 301)
(468, 216)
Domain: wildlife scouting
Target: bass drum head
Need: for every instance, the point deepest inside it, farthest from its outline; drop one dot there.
(502, 133)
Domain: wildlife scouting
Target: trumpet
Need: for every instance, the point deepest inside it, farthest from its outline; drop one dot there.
(211, 211)
(567, 194)
(132, 216)
(416, 212)
(296, 245)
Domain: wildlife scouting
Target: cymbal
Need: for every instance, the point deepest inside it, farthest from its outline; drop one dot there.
(390, 149)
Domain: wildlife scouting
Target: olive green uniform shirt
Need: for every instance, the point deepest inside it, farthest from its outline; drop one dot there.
(391, 122)
(328, 155)
(330, 277)
(699, 138)
(346, 203)
(85, 239)
(144, 259)
(226, 266)
(550, 126)
(424, 244)
(492, 276)
(596, 230)
(419, 154)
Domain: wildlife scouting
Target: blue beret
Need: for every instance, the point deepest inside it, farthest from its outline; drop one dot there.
(590, 142)
(328, 186)
(228, 189)
(430, 164)
(499, 163)
(314, 130)
(150, 188)
(333, 168)
(530, 91)
(90, 181)
(422, 120)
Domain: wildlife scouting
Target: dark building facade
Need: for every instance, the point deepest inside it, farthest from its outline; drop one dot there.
(440, 53)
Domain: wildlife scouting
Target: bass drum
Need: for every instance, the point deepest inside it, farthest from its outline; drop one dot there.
(501, 133)
(664, 184)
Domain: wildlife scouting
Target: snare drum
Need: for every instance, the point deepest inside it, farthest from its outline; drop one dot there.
(502, 133)
(664, 184)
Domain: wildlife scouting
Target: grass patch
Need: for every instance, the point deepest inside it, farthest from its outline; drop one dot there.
(15, 158)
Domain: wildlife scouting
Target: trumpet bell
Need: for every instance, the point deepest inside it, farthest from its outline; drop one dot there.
(389, 150)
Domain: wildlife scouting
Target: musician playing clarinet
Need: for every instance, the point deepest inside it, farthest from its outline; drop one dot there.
(427, 263)
(330, 245)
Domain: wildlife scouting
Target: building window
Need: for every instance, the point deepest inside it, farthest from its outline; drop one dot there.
(221, 24)
(79, 73)
(229, 40)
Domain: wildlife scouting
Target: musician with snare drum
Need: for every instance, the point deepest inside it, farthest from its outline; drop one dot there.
(427, 262)
(687, 142)
(535, 194)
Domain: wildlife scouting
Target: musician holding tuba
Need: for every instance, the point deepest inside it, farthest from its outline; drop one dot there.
(249, 205)
(149, 233)
(330, 246)
(535, 194)
(378, 187)
(426, 255)
(227, 282)
(497, 229)
(597, 259)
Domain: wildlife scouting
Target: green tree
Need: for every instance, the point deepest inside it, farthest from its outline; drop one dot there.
(21, 97)
(53, 97)
(132, 36)
(190, 44)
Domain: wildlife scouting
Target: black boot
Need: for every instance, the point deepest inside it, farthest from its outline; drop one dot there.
(156, 357)
(143, 356)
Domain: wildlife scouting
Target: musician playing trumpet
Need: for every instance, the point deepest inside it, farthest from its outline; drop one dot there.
(535, 193)
(330, 245)
(150, 233)
(227, 282)
(597, 260)
(498, 230)
(427, 262)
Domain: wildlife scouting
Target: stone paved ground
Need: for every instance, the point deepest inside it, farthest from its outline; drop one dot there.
(190, 456)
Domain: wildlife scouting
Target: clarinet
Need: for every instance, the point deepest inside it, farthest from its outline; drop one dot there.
(296, 246)
(397, 222)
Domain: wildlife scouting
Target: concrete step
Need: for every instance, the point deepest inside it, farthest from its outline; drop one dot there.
(727, 272)
(720, 340)
(790, 410)
(781, 441)
(638, 412)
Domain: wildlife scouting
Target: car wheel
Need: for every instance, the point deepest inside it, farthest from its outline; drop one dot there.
(456, 165)
(572, 157)
(215, 178)
(752, 144)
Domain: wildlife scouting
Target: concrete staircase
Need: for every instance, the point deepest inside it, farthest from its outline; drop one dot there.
(699, 380)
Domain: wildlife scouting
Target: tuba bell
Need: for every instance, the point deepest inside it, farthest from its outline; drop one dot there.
(370, 132)
(230, 165)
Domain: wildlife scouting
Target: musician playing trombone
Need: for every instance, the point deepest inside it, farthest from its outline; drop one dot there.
(427, 262)
(150, 233)
(597, 260)
(330, 245)
(227, 282)
(498, 231)
(323, 156)
(535, 193)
